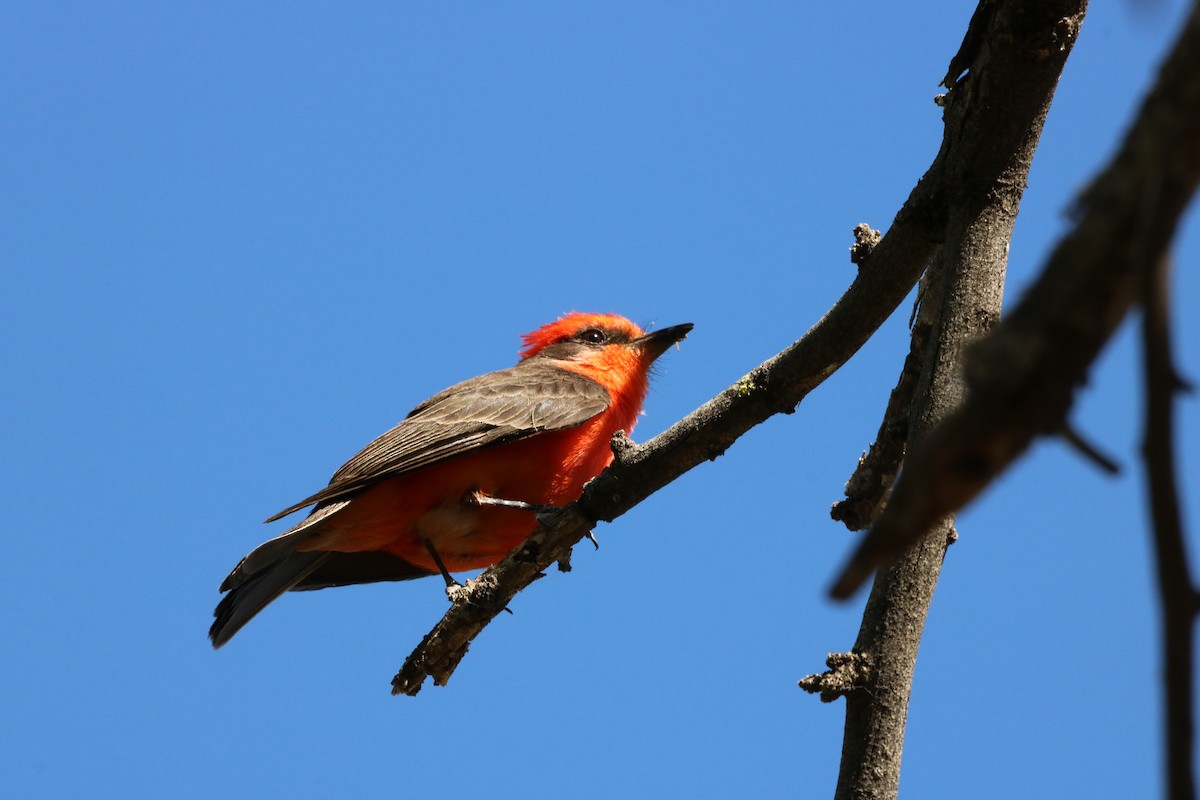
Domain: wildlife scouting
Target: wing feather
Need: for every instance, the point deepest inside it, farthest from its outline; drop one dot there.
(532, 397)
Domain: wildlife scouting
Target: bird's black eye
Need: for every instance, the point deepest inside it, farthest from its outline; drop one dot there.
(592, 336)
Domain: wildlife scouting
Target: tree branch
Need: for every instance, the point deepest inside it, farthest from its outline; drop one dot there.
(1014, 52)
(1022, 377)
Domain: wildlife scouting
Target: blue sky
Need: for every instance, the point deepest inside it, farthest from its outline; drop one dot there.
(240, 240)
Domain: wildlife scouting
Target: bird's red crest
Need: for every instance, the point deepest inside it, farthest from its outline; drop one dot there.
(570, 324)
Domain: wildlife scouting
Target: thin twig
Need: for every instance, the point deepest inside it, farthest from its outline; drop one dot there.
(1085, 448)
(872, 479)
(1176, 590)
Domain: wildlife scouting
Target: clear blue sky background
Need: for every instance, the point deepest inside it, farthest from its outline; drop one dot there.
(241, 239)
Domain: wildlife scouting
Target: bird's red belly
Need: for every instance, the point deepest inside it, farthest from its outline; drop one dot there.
(398, 515)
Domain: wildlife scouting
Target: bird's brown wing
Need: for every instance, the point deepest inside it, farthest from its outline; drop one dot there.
(532, 397)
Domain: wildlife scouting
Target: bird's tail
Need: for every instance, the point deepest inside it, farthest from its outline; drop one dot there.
(254, 594)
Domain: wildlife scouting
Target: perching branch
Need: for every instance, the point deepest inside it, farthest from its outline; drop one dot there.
(887, 271)
(885, 276)
(777, 385)
(1023, 376)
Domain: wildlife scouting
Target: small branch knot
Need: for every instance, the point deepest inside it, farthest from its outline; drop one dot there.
(865, 239)
(848, 672)
(622, 447)
(479, 591)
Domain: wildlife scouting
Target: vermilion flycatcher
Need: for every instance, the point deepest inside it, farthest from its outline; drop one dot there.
(458, 481)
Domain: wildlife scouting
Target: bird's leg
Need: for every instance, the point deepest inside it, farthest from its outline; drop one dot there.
(454, 590)
(536, 508)
(450, 582)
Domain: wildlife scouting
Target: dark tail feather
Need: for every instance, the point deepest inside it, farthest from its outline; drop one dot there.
(346, 569)
(253, 595)
(271, 552)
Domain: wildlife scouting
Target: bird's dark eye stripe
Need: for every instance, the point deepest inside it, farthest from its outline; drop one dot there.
(598, 335)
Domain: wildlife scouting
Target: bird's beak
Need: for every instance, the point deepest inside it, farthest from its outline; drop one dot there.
(655, 343)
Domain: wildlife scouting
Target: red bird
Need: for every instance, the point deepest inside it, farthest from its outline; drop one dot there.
(454, 486)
